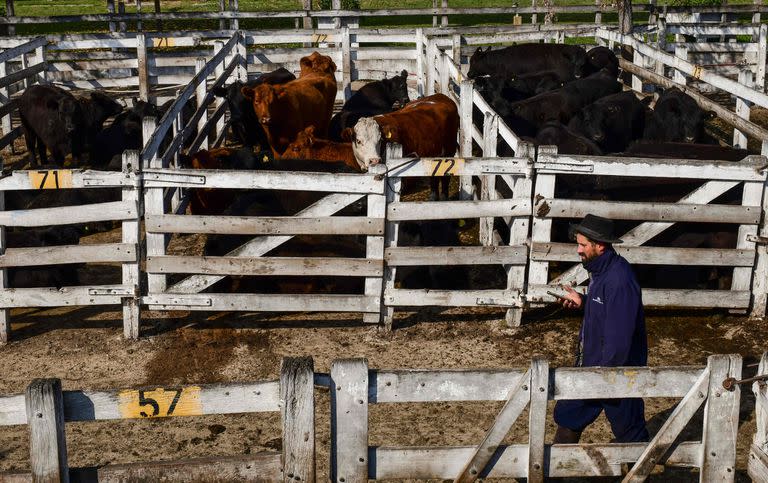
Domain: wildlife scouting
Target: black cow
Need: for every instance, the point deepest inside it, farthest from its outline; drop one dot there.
(599, 58)
(646, 149)
(50, 118)
(526, 117)
(566, 140)
(47, 275)
(676, 118)
(125, 132)
(567, 60)
(97, 108)
(245, 126)
(378, 97)
(612, 122)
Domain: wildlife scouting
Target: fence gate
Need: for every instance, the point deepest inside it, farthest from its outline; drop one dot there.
(354, 388)
(758, 454)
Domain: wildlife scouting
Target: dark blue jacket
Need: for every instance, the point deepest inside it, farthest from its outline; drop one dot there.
(613, 331)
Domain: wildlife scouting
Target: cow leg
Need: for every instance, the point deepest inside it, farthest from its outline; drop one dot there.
(434, 185)
(446, 180)
(30, 138)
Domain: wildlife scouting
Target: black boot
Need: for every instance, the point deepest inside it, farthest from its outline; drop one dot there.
(564, 435)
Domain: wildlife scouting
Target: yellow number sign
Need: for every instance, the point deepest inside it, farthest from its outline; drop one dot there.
(443, 167)
(52, 179)
(162, 402)
(164, 42)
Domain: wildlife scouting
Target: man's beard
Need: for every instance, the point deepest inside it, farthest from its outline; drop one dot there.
(586, 260)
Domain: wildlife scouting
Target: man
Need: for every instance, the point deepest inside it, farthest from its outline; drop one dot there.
(612, 333)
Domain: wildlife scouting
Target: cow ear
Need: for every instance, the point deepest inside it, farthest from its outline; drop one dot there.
(305, 63)
(248, 92)
(479, 50)
(404, 74)
(348, 134)
(185, 160)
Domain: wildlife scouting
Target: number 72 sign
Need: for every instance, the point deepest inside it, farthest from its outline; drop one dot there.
(160, 403)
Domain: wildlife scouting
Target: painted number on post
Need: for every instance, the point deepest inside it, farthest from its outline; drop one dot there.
(164, 42)
(443, 167)
(162, 402)
(52, 179)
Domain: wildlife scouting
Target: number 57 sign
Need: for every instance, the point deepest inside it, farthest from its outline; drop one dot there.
(160, 403)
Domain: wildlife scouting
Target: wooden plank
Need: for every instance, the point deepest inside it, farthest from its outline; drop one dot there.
(258, 247)
(721, 420)
(537, 419)
(517, 400)
(404, 168)
(154, 204)
(376, 205)
(448, 210)
(761, 406)
(26, 73)
(112, 211)
(728, 299)
(5, 314)
(57, 255)
(541, 228)
(13, 52)
(131, 235)
(488, 183)
(752, 195)
(47, 444)
(75, 178)
(492, 255)
(670, 430)
(757, 466)
(276, 225)
(392, 193)
(566, 252)
(452, 298)
(298, 414)
(299, 266)
(584, 460)
(569, 383)
(64, 296)
(271, 180)
(262, 302)
(349, 427)
(519, 231)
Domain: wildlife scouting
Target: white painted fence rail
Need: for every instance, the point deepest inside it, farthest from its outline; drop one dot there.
(46, 409)
(758, 454)
(354, 387)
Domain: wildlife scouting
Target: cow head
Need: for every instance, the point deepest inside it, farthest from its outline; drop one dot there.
(234, 98)
(299, 148)
(476, 64)
(602, 57)
(317, 63)
(397, 87)
(263, 98)
(367, 142)
(97, 107)
(68, 112)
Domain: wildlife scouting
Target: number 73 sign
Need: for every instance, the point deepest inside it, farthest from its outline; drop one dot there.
(160, 403)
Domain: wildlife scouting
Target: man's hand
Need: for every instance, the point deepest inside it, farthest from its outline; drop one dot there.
(572, 298)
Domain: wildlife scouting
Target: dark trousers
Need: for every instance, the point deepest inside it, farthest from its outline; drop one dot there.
(625, 415)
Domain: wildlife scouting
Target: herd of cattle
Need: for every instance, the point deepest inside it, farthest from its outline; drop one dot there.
(547, 93)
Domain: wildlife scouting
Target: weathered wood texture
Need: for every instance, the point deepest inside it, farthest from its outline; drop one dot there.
(45, 419)
(298, 411)
(349, 420)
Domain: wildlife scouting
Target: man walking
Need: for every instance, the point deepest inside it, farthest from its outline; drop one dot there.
(612, 333)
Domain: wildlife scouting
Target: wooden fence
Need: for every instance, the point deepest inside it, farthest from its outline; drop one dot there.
(758, 455)
(353, 386)
(18, 67)
(46, 409)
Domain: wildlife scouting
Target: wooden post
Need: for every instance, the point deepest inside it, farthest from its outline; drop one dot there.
(444, 72)
(721, 420)
(518, 231)
(653, 15)
(200, 93)
(392, 231)
(742, 109)
(219, 101)
(456, 50)
(159, 23)
(242, 52)
(143, 66)
(5, 314)
(534, 16)
(349, 420)
(132, 235)
(465, 133)
(346, 63)
(139, 25)
(637, 82)
(222, 9)
(47, 444)
(760, 388)
(40, 55)
(122, 27)
(434, 17)
(762, 47)
(598, 12)
(444, 18)
(661, 42)
(537, 419)
(420, 75)
(307, 20)
(336, 5)
(756, 15)
(5, 98)
(10, 11)
(111, 11)
(681, 53)
(25, 65)
(297, 397)
(374, 245)
(760, 273)
(153, 205)
(541, 231)
(431, 54)
(488, 182)
(234, 6)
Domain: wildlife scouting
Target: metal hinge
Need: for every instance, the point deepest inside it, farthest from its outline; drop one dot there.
(547, 166)
(168, 300)
(760, 240)
(121, 291)
(172, 178)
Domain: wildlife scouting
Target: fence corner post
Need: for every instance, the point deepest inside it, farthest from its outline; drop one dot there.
(537, 418)
(132, 235)
(349, 420)
(143, 66)
(47, 444)
(721, 420)
(465, 131)
(297, 397)
(374, 246)
(393, 151)
(762, 47)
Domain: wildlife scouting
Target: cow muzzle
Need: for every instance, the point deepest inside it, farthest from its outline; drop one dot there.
(266, 120)
(374, 161)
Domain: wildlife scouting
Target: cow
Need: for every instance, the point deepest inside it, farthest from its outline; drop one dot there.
(568, 61)
(97, 108)
(125, 132)
(599, 58)
(566, 140)
(378, 97)
(425, 127)
(308, 146)
(47, 275)
(612, 121)
(286, 109)
(242, 119)
(676, 118)
(50, 118)
(652, 149)
(526, 117)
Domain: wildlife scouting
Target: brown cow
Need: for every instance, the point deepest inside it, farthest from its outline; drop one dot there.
(425, 127)
(307, 146)
(285, 110)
